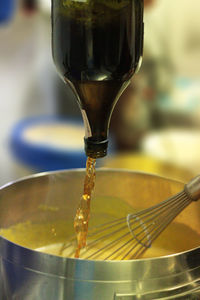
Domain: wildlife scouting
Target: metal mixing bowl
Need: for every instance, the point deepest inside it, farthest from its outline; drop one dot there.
(50, 199)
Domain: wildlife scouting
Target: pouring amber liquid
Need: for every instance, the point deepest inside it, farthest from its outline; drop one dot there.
(83, 211)
(97, 47)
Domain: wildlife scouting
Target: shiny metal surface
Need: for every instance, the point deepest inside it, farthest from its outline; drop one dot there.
(192, 188)
(30, 275)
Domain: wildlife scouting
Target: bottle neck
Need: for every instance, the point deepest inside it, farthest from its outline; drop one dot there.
(97, 100)
(95, 149)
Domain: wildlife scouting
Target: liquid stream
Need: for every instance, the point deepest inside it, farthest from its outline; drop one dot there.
(83, 211)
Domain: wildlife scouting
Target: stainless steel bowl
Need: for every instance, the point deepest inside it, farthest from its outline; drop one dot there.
(51, 198)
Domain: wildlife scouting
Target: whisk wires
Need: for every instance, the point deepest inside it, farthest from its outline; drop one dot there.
(131, 236)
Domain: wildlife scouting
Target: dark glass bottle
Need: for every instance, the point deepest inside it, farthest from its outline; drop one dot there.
(97, 46)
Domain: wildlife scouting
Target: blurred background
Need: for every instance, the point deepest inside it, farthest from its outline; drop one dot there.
(156, 123)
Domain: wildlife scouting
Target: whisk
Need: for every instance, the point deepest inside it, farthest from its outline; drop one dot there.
(131, 236)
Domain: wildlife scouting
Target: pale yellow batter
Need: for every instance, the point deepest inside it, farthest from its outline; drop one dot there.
(49, 238)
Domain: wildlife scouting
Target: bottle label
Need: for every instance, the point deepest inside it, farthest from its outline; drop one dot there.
(88, 132)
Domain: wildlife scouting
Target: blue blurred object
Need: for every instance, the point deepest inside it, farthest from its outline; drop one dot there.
(46, 144)
(7, 8)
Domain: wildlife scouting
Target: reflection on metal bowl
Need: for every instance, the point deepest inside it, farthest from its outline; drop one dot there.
(40, 209)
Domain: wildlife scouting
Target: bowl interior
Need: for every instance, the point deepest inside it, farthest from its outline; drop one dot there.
(38, 211)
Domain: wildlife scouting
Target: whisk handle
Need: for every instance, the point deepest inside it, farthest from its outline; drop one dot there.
(192, 188)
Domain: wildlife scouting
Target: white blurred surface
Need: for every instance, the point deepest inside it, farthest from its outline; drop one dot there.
(172, 32)
(179, 147)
